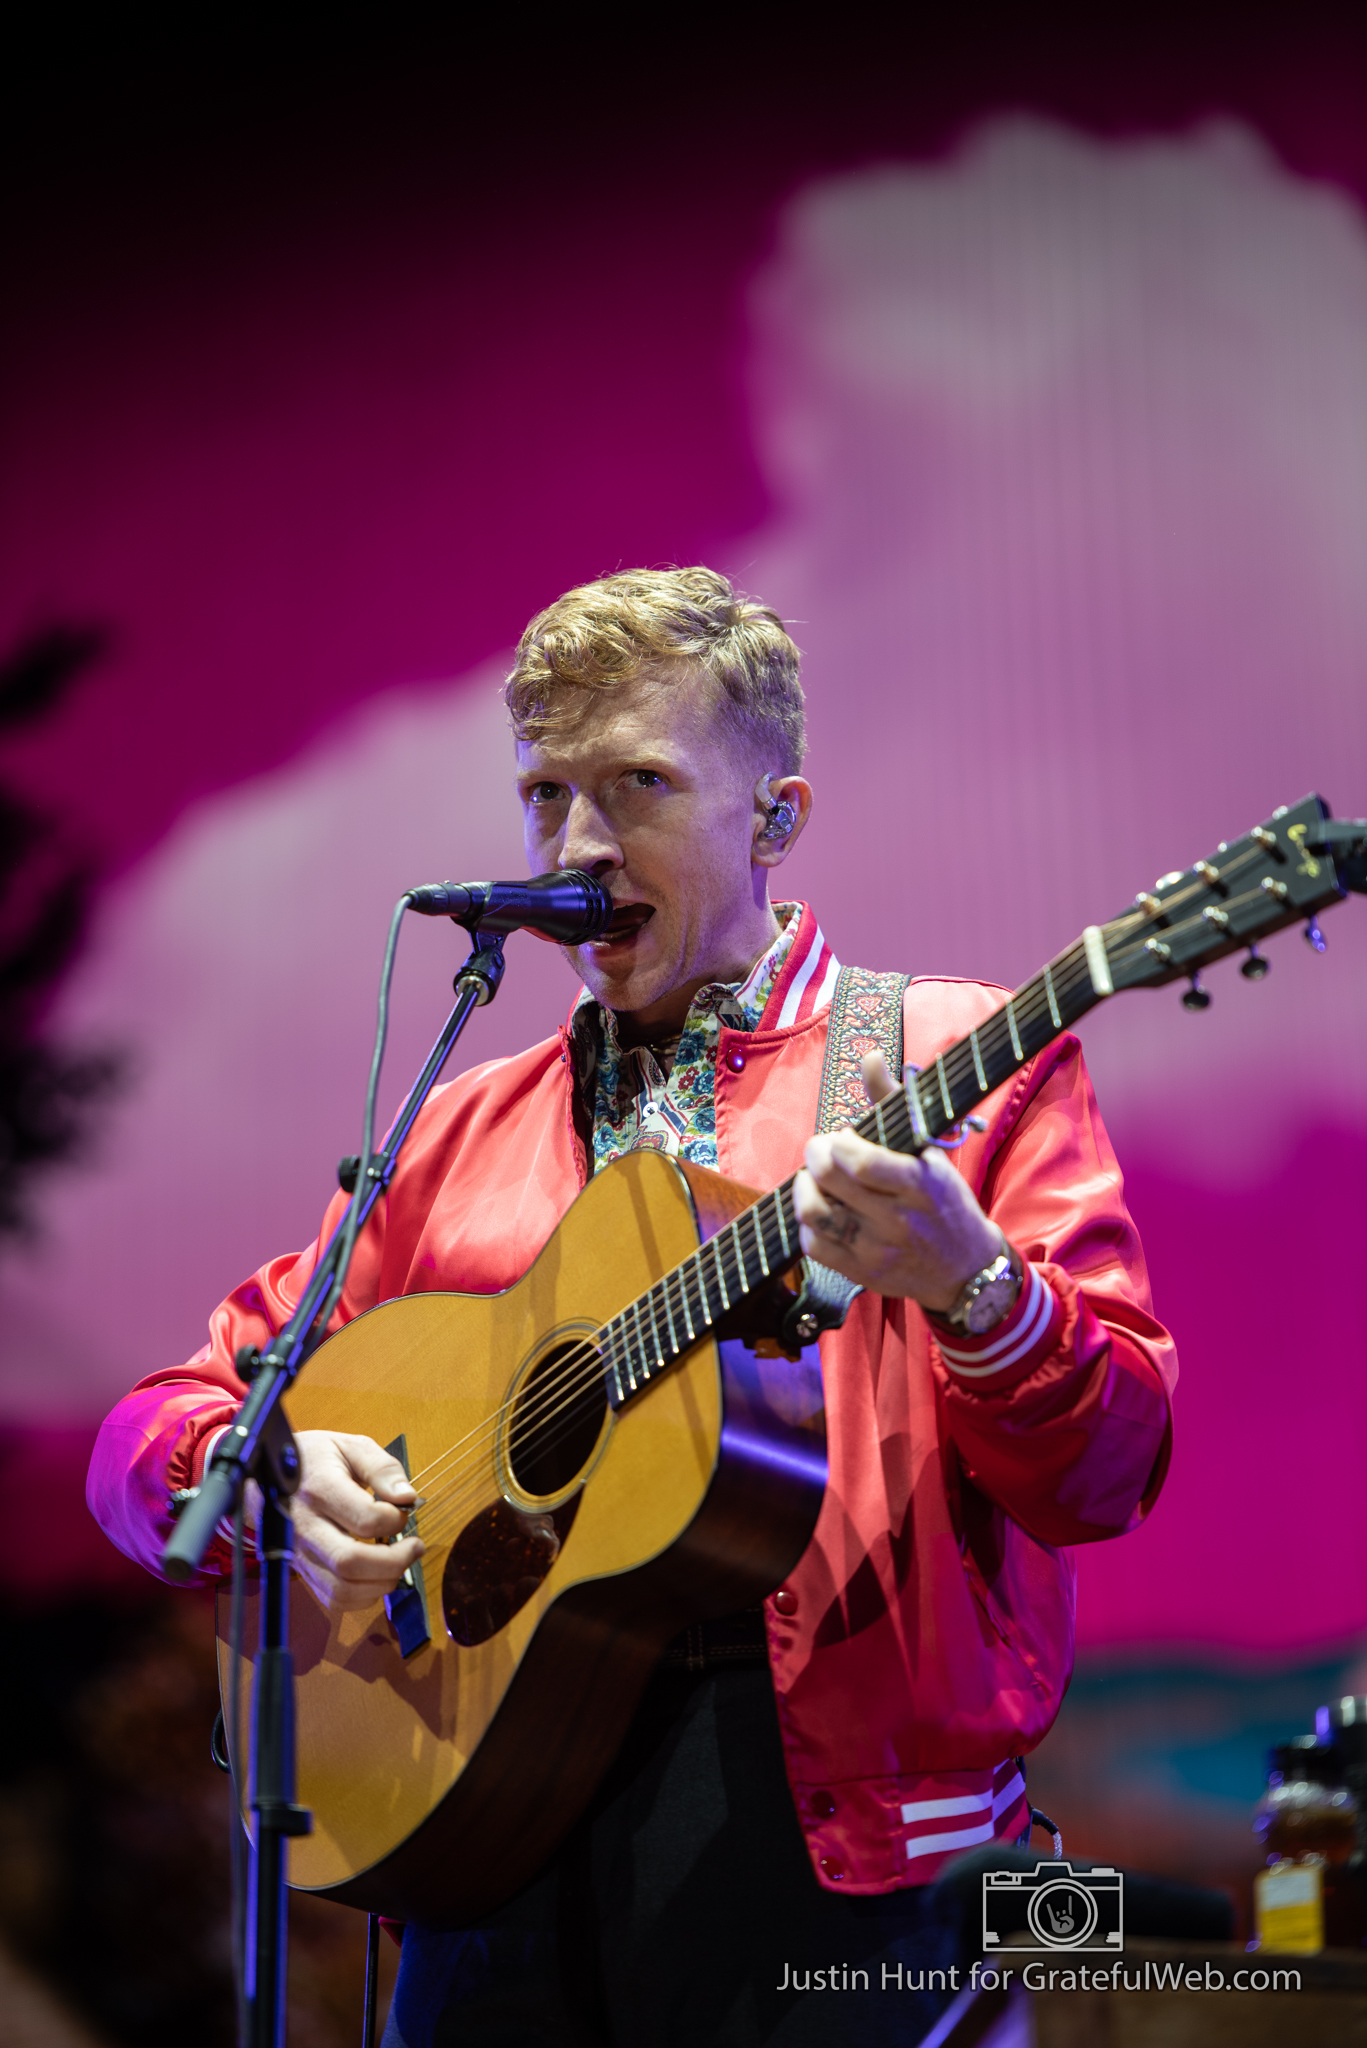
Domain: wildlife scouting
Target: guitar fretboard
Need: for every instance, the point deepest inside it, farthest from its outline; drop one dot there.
(763, 1241)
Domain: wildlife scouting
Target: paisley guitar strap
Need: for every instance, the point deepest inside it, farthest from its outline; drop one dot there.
(866, 1016)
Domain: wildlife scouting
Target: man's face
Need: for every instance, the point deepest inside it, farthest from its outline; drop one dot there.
(648, 791)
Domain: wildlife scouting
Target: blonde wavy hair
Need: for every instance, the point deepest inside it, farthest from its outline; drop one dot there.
(662, 623)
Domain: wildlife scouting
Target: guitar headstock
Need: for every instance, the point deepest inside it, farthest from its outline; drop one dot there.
(1282, 872)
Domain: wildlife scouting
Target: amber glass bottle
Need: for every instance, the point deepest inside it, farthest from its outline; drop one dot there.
(1308, 1817)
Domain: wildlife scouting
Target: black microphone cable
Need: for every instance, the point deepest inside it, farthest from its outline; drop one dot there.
(353, 1222)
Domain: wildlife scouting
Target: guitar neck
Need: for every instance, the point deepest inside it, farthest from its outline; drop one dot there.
(763, 1241)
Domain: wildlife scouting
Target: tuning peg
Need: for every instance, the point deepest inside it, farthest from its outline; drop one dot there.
(1195, 997)
(1255, 967)
(1315, 937)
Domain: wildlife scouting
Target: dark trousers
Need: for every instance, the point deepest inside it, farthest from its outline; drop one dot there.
(681, 1911)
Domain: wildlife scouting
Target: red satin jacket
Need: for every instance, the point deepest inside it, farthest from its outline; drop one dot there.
(925, 1639)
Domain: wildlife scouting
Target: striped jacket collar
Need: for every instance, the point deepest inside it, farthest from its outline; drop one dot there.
(806, 980)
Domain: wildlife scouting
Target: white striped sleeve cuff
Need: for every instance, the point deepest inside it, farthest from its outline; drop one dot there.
(940, 1827)
(1031, 1328)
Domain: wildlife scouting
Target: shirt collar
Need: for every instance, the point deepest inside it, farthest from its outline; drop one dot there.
(739, 1004)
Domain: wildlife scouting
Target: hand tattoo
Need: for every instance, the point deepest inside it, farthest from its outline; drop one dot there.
(842, 1225)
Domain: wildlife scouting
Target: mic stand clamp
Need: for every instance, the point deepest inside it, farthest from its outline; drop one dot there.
(483, 971)
(258, 1445)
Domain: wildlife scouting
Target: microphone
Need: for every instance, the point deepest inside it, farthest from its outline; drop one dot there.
(568, 906)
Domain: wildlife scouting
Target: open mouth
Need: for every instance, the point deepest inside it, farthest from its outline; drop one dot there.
(627, 922)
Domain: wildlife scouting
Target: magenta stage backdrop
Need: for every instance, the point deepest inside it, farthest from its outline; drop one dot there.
(1053, 450)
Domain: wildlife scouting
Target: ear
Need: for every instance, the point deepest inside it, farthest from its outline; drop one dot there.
(774, 837)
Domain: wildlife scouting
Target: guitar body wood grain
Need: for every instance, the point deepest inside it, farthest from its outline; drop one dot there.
(440, 1784)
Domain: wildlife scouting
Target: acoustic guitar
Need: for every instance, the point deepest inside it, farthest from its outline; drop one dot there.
(631, 1439)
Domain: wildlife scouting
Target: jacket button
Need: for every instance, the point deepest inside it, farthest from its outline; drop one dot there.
(785, 1602)
(831, 1869)
(823, 1806)
(735, 1060)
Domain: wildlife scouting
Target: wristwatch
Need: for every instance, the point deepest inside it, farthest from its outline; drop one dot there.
(987, 1298)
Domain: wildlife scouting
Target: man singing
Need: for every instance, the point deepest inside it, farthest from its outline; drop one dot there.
(794, 1780)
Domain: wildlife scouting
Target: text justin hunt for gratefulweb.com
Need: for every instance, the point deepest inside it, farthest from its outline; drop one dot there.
(1039, 1977)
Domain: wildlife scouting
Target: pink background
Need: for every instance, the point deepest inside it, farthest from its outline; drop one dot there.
(1053, 446)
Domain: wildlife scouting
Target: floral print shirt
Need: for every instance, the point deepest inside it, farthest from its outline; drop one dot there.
(636, 1105)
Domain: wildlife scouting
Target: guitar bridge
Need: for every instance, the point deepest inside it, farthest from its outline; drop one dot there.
(406, 1606)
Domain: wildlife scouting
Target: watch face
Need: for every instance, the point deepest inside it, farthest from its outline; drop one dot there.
(992, 1304)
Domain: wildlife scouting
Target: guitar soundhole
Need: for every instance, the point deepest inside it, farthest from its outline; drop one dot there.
(501, 1557)
(557, 1420)
(496, 1564)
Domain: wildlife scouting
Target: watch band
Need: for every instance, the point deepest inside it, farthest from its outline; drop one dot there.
(987, 1297)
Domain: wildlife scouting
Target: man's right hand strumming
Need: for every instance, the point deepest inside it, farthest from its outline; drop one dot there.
(352, 1497)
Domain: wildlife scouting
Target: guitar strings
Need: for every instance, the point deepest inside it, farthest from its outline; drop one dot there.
(579, 1371)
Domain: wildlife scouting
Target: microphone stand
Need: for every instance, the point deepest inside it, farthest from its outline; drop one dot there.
(258, 1445)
